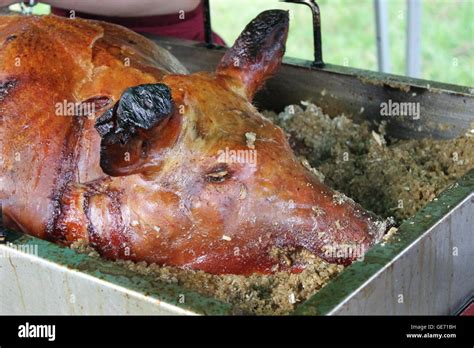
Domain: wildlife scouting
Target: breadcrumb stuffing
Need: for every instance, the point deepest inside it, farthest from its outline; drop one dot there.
(250, 139)
(278, 293)
(388, 176)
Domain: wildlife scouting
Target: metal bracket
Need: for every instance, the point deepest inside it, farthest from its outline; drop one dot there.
(3, 232)
(318, 52)
(27, 7)
(207, 24)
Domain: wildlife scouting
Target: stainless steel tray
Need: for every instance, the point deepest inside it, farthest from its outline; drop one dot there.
(425, 269)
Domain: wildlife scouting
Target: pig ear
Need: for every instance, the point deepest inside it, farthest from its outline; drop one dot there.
(140, 127)
(258, 51)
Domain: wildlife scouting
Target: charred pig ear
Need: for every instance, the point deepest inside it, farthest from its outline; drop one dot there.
(132, 126)
(144, 106)
(258, 51)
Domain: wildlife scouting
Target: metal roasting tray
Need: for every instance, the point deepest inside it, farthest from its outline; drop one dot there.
(426, 269)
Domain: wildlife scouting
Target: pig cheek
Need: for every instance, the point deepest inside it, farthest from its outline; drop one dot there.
(215, 206)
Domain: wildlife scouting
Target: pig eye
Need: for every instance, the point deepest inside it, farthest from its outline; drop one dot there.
(218, 174)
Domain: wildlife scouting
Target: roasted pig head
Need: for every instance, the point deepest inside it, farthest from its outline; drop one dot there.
(197, 178)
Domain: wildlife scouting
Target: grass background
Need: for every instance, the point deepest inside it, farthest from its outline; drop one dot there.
(348, 31)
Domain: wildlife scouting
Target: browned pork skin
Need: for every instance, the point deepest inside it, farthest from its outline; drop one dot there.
(154, 178)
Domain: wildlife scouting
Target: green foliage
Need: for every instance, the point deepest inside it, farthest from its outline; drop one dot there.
(349, 33)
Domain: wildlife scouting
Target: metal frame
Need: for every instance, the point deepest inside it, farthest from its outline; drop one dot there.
(317, 45)
(413, 44)
(382, 35)
(316, 14)
(207, 24)
(27, 7)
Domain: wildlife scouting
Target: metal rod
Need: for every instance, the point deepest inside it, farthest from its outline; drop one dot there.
(413, 49)
(3, 233)
(381, 25)
(318, 52)
(27, 7)
(207, 24)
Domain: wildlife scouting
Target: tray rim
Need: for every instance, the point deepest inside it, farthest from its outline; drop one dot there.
(379, 257)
